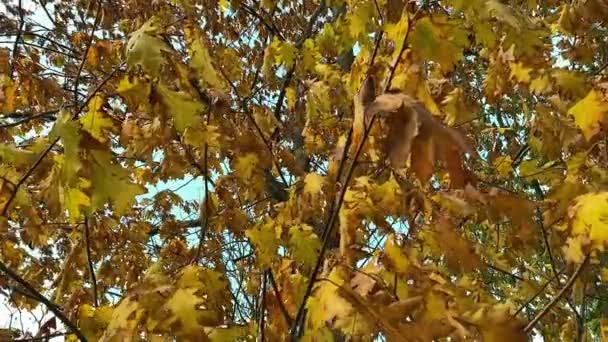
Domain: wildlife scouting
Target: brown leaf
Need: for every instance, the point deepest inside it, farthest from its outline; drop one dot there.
(458, 250)
(414, 131)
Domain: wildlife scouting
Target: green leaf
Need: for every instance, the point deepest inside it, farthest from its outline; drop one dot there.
(304, 244)
(145, 48)
(201, 61)
(74, 200)
(95, 121)
(69, 132)
(111, 183)
(441, 44)
(186, 112)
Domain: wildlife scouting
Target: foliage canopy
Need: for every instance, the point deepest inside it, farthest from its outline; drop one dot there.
(403, 170)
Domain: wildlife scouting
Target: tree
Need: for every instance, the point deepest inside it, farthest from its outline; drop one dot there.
(369, 169)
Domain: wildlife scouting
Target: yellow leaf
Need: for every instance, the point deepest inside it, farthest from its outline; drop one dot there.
(436, 305)
(125, 317)
(573, 250)
(201, 60)
(310, 55)
(541, 85)
(145, 48)
(503, 13)
(326, 304)
(183, 304)
(396, 32)
(68, 130)
(576, 162)
(394, 256)
(186, 112)
(229, 334)
(588, 113)
(189, 276)
(263, 237)
(520, 72)
(290, 96)
(359, 18)
(457, 108)
(572, 82)
(604, 328)
(503, 166)
(95, 121)
(74, 199)
(285, 53)
(111, 182)
(135, 91)
(304, 244)
(8, 95)
(245, 166)
(388, 195)
(423, 94)
(430, 42)
(313, 183)
(590, 218)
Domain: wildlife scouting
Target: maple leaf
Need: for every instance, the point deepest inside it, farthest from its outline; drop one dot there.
(201, 61)
(589, 113)
(183, 304)
(111, 182)
(520, 72)
(589, 215)
(313, 183)
(459, 252)
(135, 90)
(394, 256)
(503, 166)
(145, 47)
(326, 304)
(95, 121)
(74, 199)
(413, 130)
(245, 165)
(284, 53)
(186, 112)
(68, 130)
(125, 318)
(263, 237)
(441, 44)
(305, 244)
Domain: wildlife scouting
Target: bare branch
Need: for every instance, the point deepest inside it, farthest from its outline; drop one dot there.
(55, 309)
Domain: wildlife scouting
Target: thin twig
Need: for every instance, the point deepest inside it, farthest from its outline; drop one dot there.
(263, 308)
(295, 327)
(86, 51)
(275, 288)
(41, 338)
(90, 261)
(498, 269)
(204, 214)
(542, 288)
(55, 309)
(17, 39)
(548, 307)
(31, 117)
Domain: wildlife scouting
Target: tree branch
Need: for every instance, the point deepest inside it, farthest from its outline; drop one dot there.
(89, 261)
(554, 301)
(54, 308)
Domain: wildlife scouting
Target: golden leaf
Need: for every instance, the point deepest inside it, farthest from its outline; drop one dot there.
(589, 113)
